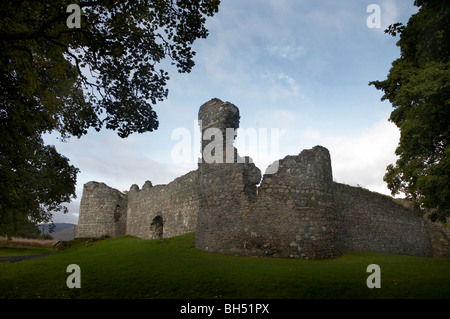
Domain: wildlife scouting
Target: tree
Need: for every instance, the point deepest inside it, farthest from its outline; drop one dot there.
(58, 78)
(418, 88)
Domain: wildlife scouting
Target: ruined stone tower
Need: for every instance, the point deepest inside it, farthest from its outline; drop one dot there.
(103, 211)
(293, 211)
(289, 215)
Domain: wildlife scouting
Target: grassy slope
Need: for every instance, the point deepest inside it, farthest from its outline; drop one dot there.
(128, 267)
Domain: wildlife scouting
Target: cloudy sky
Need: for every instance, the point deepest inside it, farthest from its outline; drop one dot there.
(297, 67)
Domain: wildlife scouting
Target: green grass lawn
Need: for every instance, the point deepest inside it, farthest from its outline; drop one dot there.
(128, 267)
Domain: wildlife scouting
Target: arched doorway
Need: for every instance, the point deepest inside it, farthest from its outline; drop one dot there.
(156, 228)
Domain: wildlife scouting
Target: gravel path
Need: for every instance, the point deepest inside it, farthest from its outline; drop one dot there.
(14, 259)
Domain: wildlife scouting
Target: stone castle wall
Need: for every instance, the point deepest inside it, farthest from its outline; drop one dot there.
(223, 212)
(289, 215)
(152, 212)
(162, 211)
(301, 191)
(103, 211)
(295, 211)
(374, 222)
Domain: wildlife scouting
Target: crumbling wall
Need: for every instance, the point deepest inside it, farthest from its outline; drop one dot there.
(289, 215)
(103, 211)
(439, 236)
(374, 222)
(162, 211)
(295, 209)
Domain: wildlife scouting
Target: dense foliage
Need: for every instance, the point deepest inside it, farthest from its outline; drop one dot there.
(418, 88)
(56, 77)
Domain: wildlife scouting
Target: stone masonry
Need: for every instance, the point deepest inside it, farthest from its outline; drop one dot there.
(295, 212)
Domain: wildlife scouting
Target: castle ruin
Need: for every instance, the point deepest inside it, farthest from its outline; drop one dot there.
(295, 212)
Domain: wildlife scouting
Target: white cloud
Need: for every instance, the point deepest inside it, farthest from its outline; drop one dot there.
(389, 13)
(281, 86)
(360, 159)
(288, 50)
(292, 84)
(331, 22)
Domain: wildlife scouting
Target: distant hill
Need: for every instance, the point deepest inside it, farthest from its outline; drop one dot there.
(62, 231)
(44, 228)
(65, 234)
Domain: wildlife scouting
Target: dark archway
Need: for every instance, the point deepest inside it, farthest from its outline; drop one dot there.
(156, 228)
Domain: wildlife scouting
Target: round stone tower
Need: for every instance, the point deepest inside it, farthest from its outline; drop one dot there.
(227, 182)
(103, 211)
(218, 123)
